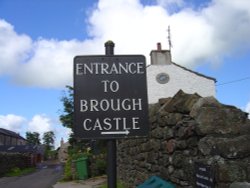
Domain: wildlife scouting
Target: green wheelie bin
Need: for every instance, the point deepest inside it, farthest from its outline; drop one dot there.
(82, 168)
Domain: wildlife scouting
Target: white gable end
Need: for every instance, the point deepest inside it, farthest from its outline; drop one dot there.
(166, 80)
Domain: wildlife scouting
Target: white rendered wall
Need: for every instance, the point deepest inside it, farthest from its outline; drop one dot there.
(180, 78)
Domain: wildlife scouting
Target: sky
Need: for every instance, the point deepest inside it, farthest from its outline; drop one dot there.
(39, 39)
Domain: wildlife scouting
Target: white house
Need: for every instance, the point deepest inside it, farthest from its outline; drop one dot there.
(165, 78)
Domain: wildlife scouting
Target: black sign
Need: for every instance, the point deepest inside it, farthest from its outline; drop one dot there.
(110, 97)
(204, 176)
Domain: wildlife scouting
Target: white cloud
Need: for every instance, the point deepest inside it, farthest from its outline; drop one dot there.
(44, 63)
(13, 48)
(40, 123)
(171, 4)
(133, 28)
(50, 64)
(12, 122)
(198, 36)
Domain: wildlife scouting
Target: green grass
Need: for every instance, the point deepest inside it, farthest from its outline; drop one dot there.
(119, 185)
(19, 172)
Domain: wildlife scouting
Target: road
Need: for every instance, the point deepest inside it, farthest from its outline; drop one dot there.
(45, 177)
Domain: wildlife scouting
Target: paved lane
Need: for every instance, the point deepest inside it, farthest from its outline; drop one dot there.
(45, 177)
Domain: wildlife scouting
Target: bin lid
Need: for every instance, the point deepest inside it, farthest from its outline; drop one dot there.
(82, 159)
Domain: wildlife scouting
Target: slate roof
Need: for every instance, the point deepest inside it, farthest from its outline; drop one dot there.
(10, 133)
(22, 149)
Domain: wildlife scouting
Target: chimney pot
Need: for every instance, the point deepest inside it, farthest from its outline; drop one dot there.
(159, 46)
(160, 57)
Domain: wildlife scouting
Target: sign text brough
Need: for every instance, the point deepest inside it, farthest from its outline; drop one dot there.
(110, 97)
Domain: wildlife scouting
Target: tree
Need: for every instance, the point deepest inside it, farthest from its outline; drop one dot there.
(67, 117)
(33, 138)
(49, 139)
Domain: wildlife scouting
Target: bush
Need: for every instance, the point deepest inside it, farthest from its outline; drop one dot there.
(67, 176)
(14, 172)
(18, 172)
(101, 165)
(70, 172)
(97, 165)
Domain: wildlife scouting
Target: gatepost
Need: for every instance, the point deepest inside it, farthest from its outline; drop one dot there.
(110, 100)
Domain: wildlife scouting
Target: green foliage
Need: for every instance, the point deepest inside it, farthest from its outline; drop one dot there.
(67, 176)
(67, 117)
(79, 148)
(49, 139)
(50, 154)
(14, 172)
(119, 185)
(101, 165)
(18, 172)
(10, 160)
(68, 173)
(76, 156)
(33, 138)
(97, 164)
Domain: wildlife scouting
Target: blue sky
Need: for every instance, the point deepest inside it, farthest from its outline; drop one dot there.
(39, 38)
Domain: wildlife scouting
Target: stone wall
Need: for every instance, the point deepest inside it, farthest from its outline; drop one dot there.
(8, 161)
(187, 130)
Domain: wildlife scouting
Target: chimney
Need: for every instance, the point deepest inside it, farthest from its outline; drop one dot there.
(158, 46)
(62, 141)
(160, 57)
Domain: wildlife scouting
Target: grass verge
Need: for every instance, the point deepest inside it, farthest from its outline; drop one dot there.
(19, 172)
(119, 185)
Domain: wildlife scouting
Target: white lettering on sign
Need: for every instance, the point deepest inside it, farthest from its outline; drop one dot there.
(102, 104)
(110, 86)
(94, 105)
(202, 185)
(109, 68)
(202, 169)
(116, 123)
(202, 177)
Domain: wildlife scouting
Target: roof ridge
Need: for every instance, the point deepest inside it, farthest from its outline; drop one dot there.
(197, 73)
(10, 133)
(189, 70)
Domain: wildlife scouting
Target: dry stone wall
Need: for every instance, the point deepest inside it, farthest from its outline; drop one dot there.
(8, 161)
(187, 130)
